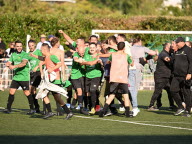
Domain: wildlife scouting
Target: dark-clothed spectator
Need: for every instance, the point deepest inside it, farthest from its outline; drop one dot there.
(11, 49)
(182, 70)
(162, 78)
(2, 44)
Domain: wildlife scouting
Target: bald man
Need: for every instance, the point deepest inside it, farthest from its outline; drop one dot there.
(77, 78)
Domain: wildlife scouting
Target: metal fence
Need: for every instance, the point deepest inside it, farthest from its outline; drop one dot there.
(147, 82)
(6, 75)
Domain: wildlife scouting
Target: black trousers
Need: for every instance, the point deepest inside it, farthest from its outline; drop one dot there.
(160, 84)
(179, 84)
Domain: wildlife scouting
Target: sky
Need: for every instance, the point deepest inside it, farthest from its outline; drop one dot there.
(174, 1)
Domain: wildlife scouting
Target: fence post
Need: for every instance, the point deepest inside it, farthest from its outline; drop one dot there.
(27, 47)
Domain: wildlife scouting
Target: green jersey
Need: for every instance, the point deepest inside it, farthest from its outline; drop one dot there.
(77, 69)
(86, 51)
(55, 60)
(112, 50)
(94, 70)
(20, 74)
(33, 61)
(74, 44)
(129, 60)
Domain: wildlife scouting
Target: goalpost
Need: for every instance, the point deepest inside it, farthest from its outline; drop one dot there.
(139, 32)
(148, 81)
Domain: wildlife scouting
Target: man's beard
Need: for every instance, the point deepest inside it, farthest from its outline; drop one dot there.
(18, 52)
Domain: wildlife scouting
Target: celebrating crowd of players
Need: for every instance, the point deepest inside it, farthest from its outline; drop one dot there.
(101, 71)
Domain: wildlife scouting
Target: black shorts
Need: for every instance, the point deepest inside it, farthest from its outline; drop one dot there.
(16, 84)
(107, 89)
(35, 78)
(118, 88)
(78, 83)
(91, 84)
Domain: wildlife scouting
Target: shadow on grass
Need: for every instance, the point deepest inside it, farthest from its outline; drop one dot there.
(13, 110)
(143, 107)
(162, 110)
(97, 139)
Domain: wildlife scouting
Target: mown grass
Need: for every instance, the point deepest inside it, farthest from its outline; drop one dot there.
(18, 127)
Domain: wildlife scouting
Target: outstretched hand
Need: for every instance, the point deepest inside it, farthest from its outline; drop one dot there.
(188, 77)
(60, 31)
(11, 67)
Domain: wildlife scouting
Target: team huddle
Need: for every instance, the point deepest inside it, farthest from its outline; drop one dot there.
(100, 72)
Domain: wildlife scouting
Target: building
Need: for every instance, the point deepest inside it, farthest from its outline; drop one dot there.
(72, 1)
(174, 3)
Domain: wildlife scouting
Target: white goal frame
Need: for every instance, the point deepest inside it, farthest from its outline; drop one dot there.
(139, 32)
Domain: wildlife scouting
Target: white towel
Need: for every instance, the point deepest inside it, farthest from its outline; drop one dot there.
(46, 86)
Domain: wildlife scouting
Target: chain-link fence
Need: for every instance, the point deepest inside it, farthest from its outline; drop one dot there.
(147, 82)
(6, 75)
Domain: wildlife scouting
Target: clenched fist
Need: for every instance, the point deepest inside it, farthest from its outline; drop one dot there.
(60, 31)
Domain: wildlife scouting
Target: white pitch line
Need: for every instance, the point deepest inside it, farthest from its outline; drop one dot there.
(153, 125)
(166, 122)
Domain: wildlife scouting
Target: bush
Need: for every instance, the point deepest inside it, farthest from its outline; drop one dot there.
(17, 26)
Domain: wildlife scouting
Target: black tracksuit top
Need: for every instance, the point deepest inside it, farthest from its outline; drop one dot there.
(183, 62)
(163, 68)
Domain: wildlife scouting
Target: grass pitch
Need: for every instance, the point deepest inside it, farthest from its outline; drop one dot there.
(148, 127)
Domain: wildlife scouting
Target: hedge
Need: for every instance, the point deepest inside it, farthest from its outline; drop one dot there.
(16, 27)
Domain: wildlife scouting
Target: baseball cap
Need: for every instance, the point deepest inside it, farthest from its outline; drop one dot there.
(50, 36)
(43, 36)
(180, 39)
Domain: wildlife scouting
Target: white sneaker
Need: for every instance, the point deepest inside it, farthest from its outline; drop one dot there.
(78, 107)
(68, 105)
(122, 109)
(135, 111)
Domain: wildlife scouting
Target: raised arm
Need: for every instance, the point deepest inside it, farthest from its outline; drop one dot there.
(66, 36)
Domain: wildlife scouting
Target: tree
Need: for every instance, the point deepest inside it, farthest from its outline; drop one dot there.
(187, 7)
(1, 3)
(15, 4)
(132, 7)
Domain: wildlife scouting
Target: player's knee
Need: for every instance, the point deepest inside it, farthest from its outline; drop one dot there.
(79, 91)
(27, 92)
(11, 92)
